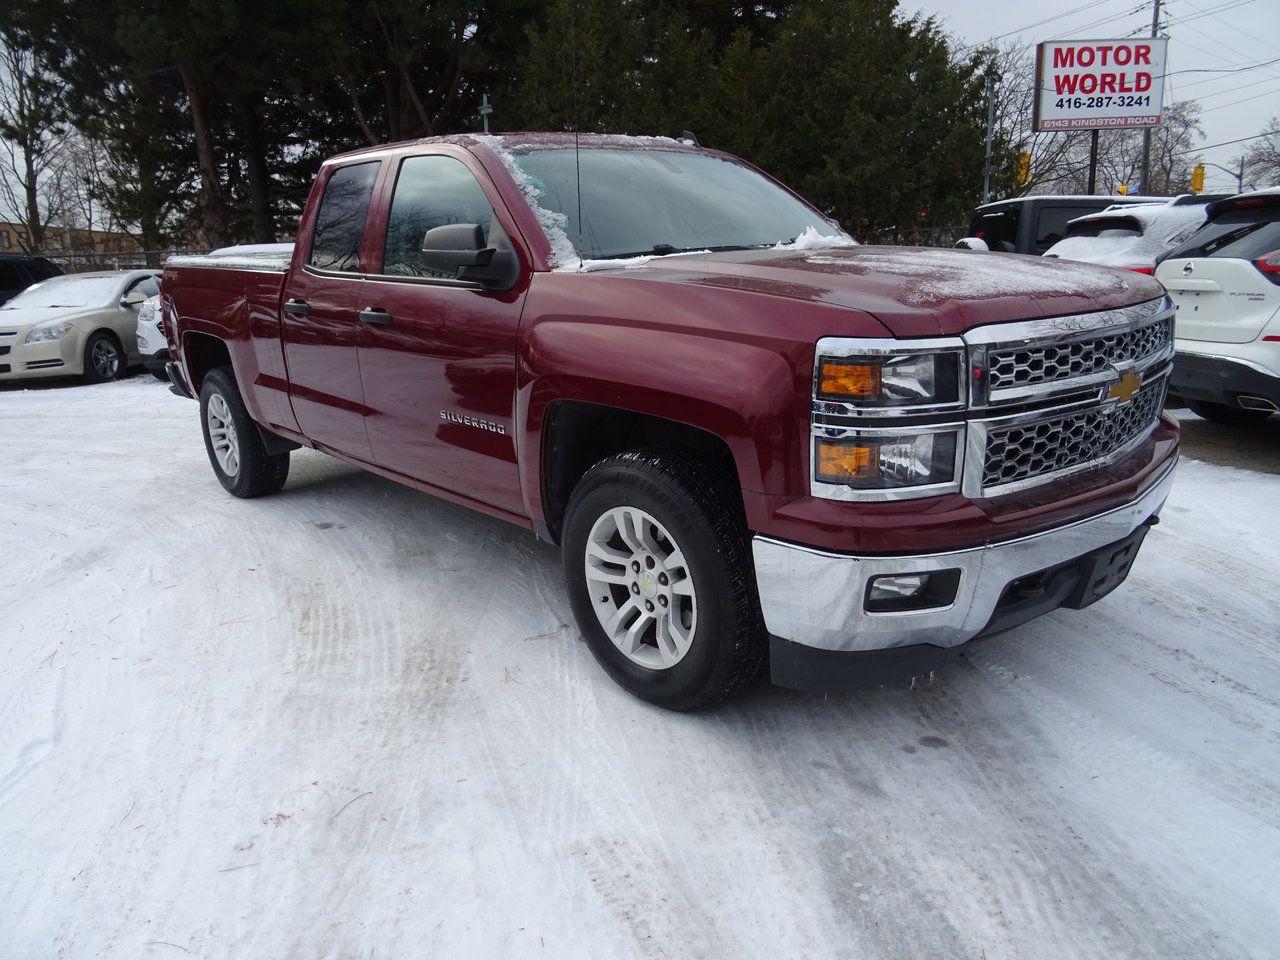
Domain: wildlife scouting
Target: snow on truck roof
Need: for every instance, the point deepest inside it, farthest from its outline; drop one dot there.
(535, 140)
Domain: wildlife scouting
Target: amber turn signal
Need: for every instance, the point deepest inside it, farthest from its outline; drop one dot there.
(841, 379)
(842, 462)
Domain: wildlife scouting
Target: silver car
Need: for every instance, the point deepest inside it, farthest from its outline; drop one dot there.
(82, 324)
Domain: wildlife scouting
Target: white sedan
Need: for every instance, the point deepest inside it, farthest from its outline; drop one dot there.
(82, 324)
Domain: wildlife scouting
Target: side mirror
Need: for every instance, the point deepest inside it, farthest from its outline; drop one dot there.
(458, 249)
(132, 299)
(972, 243)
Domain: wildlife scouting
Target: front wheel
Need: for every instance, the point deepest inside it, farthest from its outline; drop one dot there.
(658, 567)
(1221, 413)
(103, 358)
(239, 457)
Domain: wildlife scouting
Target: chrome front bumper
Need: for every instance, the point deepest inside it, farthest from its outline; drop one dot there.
(817, 599)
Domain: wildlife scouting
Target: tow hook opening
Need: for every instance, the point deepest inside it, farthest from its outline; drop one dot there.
(910, 592)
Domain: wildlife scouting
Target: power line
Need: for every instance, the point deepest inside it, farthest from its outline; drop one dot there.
(1001, 36)
(1226, 143)
(1223, 106)
(1253, 66)
(1243, 86)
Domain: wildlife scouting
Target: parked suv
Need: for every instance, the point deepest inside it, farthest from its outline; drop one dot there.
(1034, 224)
(753, 440)
(1225, 283)
(1132, 236)
(17, 272)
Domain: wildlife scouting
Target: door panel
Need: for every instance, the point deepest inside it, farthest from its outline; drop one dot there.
(318, 321)
(439, 376)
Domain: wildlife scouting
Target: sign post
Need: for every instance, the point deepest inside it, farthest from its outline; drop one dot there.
(1099, 85)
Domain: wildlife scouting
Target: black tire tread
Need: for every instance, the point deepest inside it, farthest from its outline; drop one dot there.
(261, 473)
(711, 494)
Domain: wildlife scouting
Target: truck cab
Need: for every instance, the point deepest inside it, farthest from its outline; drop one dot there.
(758, 445)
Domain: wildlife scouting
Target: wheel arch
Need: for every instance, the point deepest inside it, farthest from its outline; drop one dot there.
(202, 352)
(577, 434)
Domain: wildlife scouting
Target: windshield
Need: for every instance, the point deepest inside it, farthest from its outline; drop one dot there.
(67, 292)
(637, 202)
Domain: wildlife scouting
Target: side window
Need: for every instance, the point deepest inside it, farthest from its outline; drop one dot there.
(1052, 224)
(430, 192)
(147, 286)
(12, 277)
(335, 244)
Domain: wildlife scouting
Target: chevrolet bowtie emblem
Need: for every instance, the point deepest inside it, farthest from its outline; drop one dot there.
(1123, 391)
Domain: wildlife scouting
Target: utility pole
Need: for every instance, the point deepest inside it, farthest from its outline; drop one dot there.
(1093, 162)
(1145, 188)
(993, 79)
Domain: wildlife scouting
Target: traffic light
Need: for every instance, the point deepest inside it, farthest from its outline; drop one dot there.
(1197, 178)
(1024, 169)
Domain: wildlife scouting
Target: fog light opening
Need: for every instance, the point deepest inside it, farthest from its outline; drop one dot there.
(906, 592)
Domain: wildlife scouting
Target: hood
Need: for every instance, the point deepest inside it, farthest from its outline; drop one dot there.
(914, 291)
(23, 318)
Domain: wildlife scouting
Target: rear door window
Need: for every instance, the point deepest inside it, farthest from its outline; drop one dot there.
(430, 192)
(335, 243)
(12, 276)
(998, 228)
(1051, 224)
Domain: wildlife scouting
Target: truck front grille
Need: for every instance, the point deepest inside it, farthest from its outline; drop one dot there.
(1047, 363)
(1061, 442)
(1055, 396)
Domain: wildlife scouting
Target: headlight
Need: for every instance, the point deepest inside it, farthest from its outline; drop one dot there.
(925, 379)
(49, 330)
(888, 460)
(147, 312)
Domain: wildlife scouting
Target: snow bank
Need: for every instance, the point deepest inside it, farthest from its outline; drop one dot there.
(275, 257)
(564, 256)
(941, 275)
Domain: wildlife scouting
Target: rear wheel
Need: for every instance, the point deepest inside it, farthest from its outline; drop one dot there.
(239, 458)
(659, 573)
(1221, 413)
(103, 358)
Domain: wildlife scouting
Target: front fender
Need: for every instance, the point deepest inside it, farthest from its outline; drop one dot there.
(743, 393)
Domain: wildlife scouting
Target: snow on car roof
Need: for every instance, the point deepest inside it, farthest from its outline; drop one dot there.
(1161, 225)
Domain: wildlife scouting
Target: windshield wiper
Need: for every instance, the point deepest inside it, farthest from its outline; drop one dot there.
(666, 250)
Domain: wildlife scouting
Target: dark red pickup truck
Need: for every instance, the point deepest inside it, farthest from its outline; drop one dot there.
(755, 442)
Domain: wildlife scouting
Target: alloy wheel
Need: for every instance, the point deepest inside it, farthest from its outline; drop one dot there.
(105, 359)
(222, 435)
(641, 587)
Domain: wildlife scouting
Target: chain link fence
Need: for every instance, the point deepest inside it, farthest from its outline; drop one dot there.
(132, 260)
(918, 236)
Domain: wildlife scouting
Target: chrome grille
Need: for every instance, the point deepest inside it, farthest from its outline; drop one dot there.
(1079, 358)
(1058, 443)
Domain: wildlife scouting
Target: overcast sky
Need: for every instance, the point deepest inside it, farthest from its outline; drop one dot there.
(1203, 34)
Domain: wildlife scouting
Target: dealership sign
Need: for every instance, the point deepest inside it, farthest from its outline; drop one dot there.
(1099, 84)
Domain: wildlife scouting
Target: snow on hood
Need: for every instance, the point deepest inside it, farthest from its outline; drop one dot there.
(275, 257)
(931, 276)
(811, 239)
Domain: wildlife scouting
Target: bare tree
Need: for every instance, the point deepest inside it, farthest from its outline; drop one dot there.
(31, 138)
(1262, 159)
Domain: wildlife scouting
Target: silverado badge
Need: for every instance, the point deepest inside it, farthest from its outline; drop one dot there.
(1123, 391)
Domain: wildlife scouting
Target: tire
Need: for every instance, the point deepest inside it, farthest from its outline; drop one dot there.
(231, 438)
(1221, 413)
(104, 359)
(690, 525)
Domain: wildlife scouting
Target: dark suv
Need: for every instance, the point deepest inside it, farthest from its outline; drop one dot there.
(18, 271)
(1034, 224)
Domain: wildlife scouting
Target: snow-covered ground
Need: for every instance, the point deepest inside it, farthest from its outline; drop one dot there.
(351, 721)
